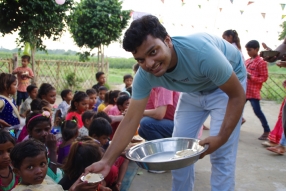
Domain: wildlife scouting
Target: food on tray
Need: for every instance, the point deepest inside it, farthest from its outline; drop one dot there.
(92, 178)
(184, 153)
(136, 139)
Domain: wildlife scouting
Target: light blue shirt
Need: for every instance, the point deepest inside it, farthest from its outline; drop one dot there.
(205, 62)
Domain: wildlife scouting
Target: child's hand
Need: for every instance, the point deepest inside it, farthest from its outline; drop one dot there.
(4, 123)
(103, 188)
(79, 186)
(51, 142)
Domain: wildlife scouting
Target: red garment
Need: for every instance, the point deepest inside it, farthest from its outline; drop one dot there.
(114, 111)
(112, 176)
(23, 134)
(72, 114)
(257, 67)
(23, 80)
(276, 134)
(162, 97)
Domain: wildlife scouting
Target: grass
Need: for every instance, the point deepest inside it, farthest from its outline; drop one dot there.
(115, 75)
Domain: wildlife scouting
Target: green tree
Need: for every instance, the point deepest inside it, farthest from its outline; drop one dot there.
(95, 23)
(282, 35)
(34, 20)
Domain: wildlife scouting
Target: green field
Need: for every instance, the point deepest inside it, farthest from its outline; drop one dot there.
(118, 67)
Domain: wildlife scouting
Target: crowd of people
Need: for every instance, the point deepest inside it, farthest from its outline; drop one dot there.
(174, 90)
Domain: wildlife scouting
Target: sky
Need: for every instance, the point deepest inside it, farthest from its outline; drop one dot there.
(211, 16)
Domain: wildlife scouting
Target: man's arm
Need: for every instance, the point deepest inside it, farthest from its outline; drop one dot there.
(234, 109)
(157, 113)
(122, 137)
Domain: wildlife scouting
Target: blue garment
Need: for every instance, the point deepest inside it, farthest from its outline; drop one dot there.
(283, 140)
(7, 113)
(151, 129)
(255, 103)
(192, 111)
(98, 102)
(21, 96)
(204, 63)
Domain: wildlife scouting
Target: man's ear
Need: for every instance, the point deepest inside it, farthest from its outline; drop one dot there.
(168, 41)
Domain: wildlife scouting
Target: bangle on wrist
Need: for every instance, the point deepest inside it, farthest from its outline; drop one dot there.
(53, 163)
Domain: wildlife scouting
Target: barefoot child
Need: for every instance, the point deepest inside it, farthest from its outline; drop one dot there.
(82, 154)
(8, 180)
(24, 74)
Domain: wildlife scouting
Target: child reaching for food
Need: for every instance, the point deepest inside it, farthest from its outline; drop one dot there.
(100, 129)
(8, 180)
(82, 154)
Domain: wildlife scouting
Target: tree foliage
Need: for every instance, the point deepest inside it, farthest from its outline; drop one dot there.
(96, 22)
(34, 19)
(283, 33)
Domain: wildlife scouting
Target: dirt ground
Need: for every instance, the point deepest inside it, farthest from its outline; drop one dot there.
(257, 169)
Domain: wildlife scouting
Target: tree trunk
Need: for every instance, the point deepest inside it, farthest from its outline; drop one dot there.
(33, 51)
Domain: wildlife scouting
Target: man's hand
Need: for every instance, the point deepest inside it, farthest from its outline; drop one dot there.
(214, 143)
(281, 64)
(98, 167)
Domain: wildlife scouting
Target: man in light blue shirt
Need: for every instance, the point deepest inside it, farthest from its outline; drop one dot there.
(211, 76)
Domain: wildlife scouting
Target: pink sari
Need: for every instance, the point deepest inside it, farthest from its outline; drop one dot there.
(276, 134)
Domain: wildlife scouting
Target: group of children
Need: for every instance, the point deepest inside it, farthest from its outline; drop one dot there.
(53, 148)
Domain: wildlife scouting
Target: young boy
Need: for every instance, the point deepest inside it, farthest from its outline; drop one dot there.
(86, 118)
(127, 79)
(64, 106)
(101, 95)
(257, 74)
(100, 129)
(32, 91)
(30, 162)
(24, 74)
(100, 78)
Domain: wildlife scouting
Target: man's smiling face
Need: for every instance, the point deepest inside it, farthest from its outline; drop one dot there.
(154, 55)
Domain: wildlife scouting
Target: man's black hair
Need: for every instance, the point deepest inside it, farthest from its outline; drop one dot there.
(140, 29)
(252, 44)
